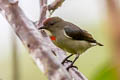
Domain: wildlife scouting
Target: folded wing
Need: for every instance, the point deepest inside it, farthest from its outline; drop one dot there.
(78, 34)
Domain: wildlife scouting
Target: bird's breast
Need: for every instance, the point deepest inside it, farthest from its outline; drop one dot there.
(69, 45)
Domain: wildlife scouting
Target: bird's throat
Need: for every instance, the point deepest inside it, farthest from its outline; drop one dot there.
(52, 38)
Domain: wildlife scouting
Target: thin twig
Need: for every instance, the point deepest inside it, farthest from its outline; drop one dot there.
(43, 9)
(53, 6)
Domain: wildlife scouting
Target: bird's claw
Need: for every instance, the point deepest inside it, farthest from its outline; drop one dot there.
(66, 61)
(71, 66)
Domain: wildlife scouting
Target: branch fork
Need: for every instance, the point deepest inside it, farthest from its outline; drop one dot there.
(45, 54)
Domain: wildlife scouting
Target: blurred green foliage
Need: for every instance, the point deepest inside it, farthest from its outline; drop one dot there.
(107, 72)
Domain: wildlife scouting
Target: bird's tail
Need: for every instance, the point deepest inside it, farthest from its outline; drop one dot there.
(99, 44)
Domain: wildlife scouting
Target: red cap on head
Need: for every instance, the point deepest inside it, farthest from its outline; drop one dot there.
(46, 21)
(53, 19)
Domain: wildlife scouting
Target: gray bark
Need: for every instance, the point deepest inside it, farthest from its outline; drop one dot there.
(47, 56)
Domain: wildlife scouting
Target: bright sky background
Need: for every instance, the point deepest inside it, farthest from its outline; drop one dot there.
(76, 11)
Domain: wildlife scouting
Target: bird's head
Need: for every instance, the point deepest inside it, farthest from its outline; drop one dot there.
(53, 24)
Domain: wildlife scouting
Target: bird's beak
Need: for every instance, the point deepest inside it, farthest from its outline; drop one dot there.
(43, 27)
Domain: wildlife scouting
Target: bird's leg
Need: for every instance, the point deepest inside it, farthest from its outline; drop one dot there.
(71, 65)
(66, 59)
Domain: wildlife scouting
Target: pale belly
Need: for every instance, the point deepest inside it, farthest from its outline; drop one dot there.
(72, 46)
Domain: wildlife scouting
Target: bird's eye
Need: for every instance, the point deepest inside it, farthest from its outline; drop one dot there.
(52, 23)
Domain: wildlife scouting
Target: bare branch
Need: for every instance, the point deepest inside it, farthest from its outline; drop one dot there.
(52, 7)
(45, 54)
(34, 41)
(43, 9)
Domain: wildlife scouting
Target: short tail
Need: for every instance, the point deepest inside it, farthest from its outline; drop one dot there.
(99, 44)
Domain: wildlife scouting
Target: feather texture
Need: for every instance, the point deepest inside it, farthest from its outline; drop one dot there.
(76, 33)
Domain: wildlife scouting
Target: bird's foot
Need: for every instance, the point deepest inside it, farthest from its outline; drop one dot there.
(71, 66)
(66, 61)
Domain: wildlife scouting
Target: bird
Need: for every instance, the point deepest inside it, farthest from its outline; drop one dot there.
(69, 37)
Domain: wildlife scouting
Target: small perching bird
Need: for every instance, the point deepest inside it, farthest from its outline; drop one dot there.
(69, 37)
